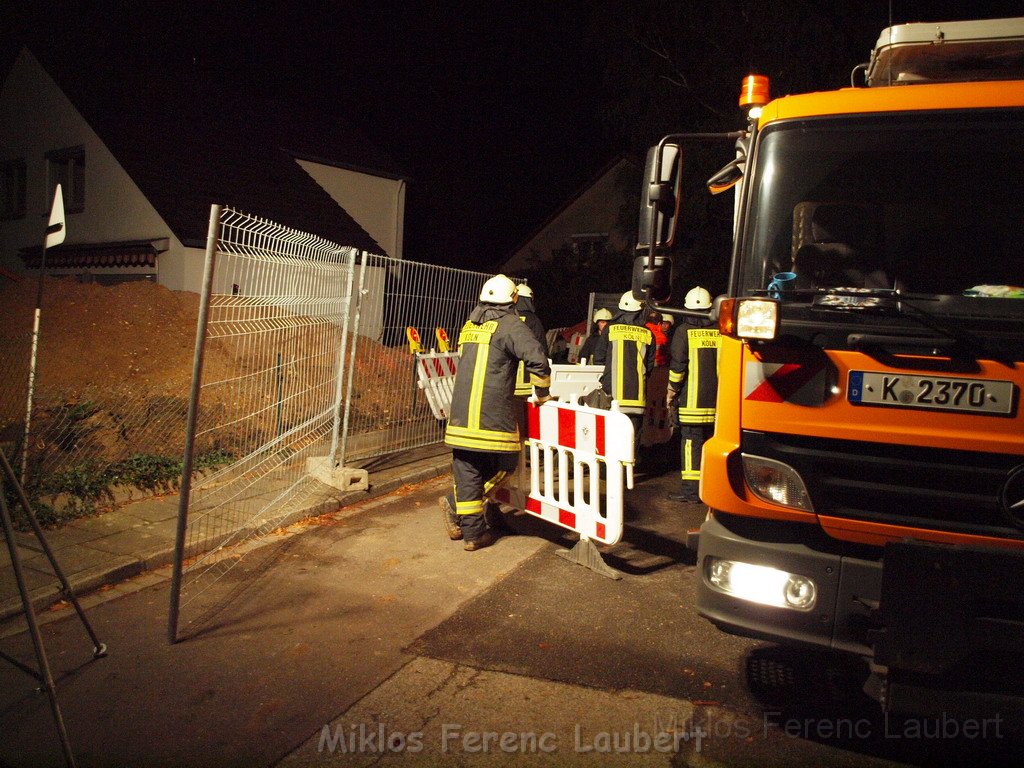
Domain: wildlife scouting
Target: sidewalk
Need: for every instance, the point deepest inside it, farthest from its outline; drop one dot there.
(140, 536)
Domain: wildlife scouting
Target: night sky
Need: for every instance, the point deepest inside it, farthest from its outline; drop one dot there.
(496, 111)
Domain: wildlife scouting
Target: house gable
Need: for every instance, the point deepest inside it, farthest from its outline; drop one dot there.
(36, 117)
(591, 215)
(159, 154)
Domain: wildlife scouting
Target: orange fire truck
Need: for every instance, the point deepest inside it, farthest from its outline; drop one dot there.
(865, 481)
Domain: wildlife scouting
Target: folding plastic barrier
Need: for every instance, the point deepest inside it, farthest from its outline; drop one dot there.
(573, 381)
(436, 377)
(573, 450)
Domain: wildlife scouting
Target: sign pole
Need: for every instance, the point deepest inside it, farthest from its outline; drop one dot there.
(55, 232)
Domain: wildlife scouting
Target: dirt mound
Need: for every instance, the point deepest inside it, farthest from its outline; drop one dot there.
(114, 374)
(136, 334)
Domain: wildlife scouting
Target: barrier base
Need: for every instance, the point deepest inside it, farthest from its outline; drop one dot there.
(585, 553)
(342, 478)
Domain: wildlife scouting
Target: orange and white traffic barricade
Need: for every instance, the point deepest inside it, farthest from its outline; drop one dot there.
(580, 462)
(576, 339)
(436, 377)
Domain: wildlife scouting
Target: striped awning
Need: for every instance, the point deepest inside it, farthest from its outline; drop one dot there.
(127, 253)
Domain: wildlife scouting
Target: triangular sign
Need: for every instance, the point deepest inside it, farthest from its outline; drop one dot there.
(57, 230)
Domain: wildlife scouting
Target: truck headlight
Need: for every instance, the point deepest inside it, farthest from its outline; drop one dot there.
(757, 319)
(775, 482)
(761, 584)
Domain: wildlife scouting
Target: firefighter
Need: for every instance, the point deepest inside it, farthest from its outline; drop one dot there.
(483, 427)
(601, 318)
(527, 313)
(626, 350)
(693, 388)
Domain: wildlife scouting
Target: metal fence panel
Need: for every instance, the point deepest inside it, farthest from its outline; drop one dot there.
(395, 295)
(301, 354)
(272, 324)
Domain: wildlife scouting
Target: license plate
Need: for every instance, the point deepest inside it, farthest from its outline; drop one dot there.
(931, 392)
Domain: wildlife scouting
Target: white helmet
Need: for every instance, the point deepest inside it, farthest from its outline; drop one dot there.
(667, 319)
(697, 298)
(498, 290)
(602, 314)
(525, 291)
(628, 304)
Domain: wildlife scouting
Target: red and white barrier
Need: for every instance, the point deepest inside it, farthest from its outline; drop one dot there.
(573, 450)
(575, 345)
(436, 377)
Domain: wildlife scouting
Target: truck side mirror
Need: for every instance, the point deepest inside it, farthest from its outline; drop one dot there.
(653, 280)
(659, 204)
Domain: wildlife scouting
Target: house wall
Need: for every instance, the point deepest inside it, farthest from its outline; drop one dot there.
(377, 204)
(36, 117)
(595, 210)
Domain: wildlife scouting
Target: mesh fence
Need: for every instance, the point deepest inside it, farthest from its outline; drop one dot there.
(387, 412)
(304, 360)
(305, 357)
(110, 396)
(273, 328)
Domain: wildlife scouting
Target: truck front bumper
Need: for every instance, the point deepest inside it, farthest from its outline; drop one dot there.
(847, 583)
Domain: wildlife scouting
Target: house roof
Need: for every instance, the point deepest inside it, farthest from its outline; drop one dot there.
(188, 147)
(600, 174)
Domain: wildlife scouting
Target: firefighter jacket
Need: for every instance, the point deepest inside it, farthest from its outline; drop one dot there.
(590, 345)
(626, 350)
(491, 343)
(693, 369)
(524, 307)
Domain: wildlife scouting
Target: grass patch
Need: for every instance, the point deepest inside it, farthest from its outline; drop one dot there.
(82, 488)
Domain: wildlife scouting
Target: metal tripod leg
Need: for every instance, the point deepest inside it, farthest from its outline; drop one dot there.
(98, 648)
(43, 675)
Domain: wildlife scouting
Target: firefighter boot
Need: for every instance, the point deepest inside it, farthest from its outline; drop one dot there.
(485, 539)
(451, 522)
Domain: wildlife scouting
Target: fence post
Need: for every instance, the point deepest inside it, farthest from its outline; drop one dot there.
(339, 379)
(213, 235)
(352, 365)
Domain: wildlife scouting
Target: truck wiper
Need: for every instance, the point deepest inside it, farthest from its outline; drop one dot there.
(966, 340)
(890, 301)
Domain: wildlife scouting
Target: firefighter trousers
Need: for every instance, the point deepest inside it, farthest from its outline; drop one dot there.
(477, 473)
(693, 437)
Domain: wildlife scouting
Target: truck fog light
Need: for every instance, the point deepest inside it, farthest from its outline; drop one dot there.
(775, 482)
(761, 584)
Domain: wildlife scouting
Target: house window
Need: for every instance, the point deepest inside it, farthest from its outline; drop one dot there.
(589, 246)
(67, 168)
(12, 190)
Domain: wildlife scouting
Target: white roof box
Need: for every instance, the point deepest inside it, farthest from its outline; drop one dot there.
(945, 52)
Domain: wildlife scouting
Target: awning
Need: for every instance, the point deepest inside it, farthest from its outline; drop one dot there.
(127, 253)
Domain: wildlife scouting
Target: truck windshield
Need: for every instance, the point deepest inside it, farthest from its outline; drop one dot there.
(926, 203)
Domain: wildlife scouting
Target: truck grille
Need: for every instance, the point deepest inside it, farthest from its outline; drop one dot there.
(935, 488)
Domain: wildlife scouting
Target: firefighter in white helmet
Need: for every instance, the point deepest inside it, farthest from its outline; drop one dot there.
(601, 318)
(693, 388)
(482, 424)
(626, 350)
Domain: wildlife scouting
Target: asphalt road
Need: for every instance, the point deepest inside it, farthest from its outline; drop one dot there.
(368, 638)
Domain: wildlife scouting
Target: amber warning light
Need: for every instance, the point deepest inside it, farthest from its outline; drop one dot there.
(754, 92)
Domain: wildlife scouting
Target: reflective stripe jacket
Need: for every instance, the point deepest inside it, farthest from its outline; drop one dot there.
(694, 369)
(491, 344)
(526, 313)
(626, 349)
